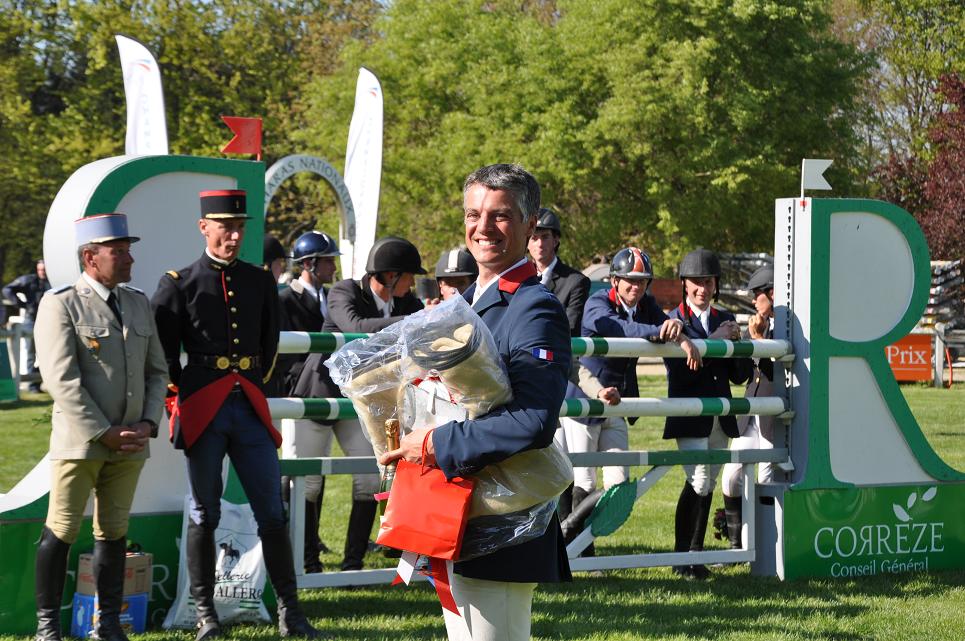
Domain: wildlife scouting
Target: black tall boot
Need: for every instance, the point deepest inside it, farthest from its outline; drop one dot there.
(357, 537)
(565, 505)
(281, 570)
(575, 523)
(108, 566)
(51, 572)
(684, 523)
(735, 520)
(201, 570)
(322, 548)
(701, 515)
(312, 563)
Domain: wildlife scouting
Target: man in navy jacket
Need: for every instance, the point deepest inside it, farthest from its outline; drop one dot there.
(494, 592)
(700, 276)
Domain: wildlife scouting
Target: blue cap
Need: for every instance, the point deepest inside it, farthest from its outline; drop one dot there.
(102, 228)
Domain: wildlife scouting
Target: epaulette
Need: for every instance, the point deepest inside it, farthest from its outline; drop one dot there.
(132, 288)
(61, 289)
(173, 274)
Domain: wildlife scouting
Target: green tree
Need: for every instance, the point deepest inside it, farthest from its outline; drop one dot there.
(63, 102)
(667, 124)
(913, 44)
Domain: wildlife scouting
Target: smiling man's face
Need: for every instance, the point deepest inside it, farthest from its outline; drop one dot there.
(496, 235)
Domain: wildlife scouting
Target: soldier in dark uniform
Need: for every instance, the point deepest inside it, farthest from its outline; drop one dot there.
(382, 297)
(303, 307)
(224, 312)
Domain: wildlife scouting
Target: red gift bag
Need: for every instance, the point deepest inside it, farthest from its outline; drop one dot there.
(426, 513)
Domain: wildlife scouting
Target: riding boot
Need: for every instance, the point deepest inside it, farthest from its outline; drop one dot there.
(357, 537)
(277, 551)
(322, 548)
(701, 515)
(108, 565)
(575, 523)
(565, 505)
(201, 570)
(51, 572)
(735, 521)
(684, 520)
(312, 563)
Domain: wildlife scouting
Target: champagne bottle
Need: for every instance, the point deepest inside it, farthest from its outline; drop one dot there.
(388, 472)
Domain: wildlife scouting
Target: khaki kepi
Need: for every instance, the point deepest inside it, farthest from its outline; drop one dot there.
(220, 204)
(102, 228)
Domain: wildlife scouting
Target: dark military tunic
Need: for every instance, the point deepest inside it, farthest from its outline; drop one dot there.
(226, 319)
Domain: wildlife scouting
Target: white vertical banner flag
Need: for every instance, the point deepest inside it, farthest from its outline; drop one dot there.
(147, 132)
(363, 171)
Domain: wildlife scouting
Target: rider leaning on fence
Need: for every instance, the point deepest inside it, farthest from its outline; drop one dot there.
(756, 432)
(700, 279)
(626, 310)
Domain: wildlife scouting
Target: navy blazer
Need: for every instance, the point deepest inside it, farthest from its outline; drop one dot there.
(711, 380)
(526, 321)
(605, 316)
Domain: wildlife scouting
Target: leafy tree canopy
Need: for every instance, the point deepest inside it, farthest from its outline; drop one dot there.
(665, 124)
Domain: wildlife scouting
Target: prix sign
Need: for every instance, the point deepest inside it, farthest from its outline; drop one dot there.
(911, 358)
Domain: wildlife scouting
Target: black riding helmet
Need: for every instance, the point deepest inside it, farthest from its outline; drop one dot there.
(762, 278)
(700, 263)
(546, 219)
(394, 254)
(271, 250)
(457, 262)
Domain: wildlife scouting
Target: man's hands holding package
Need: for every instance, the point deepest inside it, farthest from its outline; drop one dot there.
(410, 449)
(127, 439)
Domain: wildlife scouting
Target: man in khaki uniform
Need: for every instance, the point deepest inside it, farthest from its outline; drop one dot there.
(102, 362)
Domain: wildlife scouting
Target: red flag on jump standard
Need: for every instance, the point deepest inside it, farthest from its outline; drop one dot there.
(247, 138)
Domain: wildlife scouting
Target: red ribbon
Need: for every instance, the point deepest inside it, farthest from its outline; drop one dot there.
(439, 573)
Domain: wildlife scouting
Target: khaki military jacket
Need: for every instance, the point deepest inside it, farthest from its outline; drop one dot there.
(99, 373)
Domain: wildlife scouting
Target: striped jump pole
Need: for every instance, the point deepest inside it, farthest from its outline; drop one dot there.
(341, 408)
(324, 342)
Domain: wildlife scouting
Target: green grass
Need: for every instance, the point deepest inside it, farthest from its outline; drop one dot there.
(627, 604)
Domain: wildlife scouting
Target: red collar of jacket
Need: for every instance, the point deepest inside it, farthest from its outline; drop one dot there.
(686, 311)
(511, 280)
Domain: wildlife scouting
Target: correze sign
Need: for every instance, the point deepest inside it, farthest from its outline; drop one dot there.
(869, 494)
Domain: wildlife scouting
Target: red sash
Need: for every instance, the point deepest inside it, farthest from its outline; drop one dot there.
(198, 410)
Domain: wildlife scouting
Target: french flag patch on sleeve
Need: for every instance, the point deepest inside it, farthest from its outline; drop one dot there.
(543, 354)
